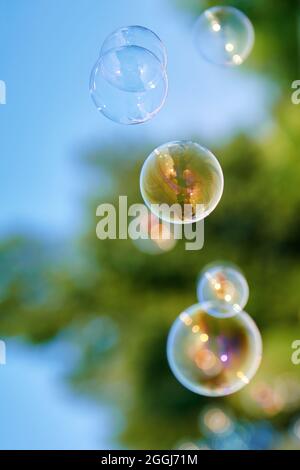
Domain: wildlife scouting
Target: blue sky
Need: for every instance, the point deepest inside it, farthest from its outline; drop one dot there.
(38, 410)
(47, 50)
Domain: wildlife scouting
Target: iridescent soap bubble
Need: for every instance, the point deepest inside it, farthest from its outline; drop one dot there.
(129, 83)
(181, 182)
(223, 283)
(213, 356)
(224, 35)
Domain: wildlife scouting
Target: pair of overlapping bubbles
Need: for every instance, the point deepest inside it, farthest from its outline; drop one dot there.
(214, 348)
(129, 81)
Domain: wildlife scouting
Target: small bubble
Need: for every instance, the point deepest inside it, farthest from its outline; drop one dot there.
(225, 285)
(224, 35)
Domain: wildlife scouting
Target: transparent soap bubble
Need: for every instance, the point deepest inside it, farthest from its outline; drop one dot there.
(213, 356)
(224, 35)
(215, 421)
(129, 83)
(131, 68)
(223, 283)
(181, 182)
(157, 237)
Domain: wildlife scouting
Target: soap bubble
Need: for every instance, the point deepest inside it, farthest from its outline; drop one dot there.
(129, 83)
(223, 283)
(213, 356)
(215, 421)
(224, 35)
(138, 36)
(157, 237)
(181, 182)
(131, 68)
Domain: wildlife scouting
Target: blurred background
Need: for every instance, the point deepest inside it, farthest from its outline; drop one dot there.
(85, 321)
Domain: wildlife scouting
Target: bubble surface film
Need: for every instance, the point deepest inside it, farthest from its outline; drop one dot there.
(213, 356)
(223, 283)
(184, 179)
(224, 36)
(131, 68)
(137, 36)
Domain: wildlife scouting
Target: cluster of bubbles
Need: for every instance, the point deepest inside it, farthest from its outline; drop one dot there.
(220, 430)
(129, 81)
(214, 348)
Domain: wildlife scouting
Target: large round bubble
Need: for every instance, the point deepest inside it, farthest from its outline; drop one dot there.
(223, 283)
(181, 182)
(224, 35)
(129, 83)
(213, 356)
